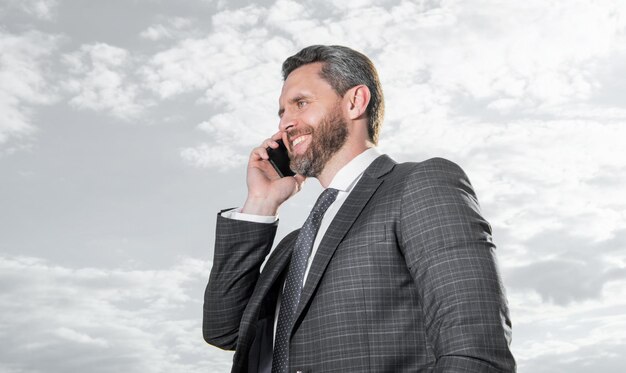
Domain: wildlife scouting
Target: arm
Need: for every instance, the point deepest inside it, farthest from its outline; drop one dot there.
(240, 249)
(449, 251)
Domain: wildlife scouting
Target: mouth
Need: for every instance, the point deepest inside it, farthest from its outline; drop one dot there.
(297, 143)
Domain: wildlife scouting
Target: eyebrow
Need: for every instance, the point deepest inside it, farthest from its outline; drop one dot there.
(293, 100)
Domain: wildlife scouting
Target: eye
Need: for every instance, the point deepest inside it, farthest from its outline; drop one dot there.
(301, 104)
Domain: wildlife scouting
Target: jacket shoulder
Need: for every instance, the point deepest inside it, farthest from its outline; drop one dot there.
(438, 168)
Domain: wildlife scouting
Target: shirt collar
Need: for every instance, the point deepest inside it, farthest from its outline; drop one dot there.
(346, 178)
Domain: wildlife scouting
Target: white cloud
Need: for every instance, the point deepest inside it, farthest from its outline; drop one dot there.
(572, 339)
(81, 338)
(42, 9)
(522, 56)
(101, 320)
(171, 28)
(205, 155)
(101, 80)
(237, 70)
(24, 81)
(438, 61)
(238, 43)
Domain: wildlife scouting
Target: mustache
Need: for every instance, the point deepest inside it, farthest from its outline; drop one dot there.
(292, 134)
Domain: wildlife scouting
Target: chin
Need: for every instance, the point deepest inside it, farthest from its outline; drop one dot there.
(305, 166)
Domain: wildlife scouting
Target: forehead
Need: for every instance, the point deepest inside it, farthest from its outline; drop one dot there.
(305, 80)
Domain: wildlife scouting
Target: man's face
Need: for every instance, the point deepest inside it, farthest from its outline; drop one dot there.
(312, 119)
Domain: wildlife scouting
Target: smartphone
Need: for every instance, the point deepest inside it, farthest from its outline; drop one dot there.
(280, 159)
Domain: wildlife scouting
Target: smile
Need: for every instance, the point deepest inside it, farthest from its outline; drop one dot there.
(298, 140)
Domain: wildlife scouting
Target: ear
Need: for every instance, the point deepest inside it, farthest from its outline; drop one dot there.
(358, 98)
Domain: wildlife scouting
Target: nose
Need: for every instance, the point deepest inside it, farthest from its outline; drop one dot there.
(286, 122)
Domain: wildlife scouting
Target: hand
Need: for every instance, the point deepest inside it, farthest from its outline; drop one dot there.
(266, 189)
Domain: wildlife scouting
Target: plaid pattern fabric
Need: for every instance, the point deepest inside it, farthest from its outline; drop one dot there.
(404, 280)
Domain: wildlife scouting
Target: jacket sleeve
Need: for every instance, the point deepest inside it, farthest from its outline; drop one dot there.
(240, 249)
(449, 251)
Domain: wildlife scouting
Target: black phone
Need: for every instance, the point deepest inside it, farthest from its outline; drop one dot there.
(279, 158)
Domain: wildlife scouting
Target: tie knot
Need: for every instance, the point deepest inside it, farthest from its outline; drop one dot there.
(325, 199)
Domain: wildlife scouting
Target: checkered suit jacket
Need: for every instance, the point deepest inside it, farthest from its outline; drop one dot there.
(404, 280)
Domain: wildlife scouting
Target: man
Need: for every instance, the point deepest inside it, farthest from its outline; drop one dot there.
(394, 269)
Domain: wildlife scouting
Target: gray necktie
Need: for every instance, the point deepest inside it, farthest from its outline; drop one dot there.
(295, 276)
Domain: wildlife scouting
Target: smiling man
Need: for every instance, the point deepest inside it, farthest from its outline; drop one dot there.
(394, 269)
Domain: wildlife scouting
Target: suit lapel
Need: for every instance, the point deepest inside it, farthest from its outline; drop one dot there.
(275, 265)
(345, 218)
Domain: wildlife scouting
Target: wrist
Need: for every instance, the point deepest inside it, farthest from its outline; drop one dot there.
(259, 206)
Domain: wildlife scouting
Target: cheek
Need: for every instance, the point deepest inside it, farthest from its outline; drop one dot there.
(313, 118)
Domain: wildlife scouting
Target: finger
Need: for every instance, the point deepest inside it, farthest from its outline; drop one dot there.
(270, 143)
(259, 153)
(278, 135)
(268, 170)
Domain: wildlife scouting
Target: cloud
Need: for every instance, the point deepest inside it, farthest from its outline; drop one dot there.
(236, 70)
(222, 157)
(101, 80)
(564, 281)
(601, 357)
(42, 9)
(24, 82)
(234, 46)
(495, 62)
(518, 61)
(170, 28)
(81, 338)
(564, 267)
(569, 339)
(103, 320)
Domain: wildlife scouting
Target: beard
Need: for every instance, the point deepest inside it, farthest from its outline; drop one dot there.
(326, 140)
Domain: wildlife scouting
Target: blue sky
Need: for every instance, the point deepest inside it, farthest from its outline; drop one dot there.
(125, 127)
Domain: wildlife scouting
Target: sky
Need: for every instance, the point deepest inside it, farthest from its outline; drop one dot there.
(125, 127)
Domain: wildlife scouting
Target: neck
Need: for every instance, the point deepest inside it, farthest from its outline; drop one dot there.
(347, 153)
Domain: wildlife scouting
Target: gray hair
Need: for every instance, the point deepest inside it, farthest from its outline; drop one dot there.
(344, 68)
